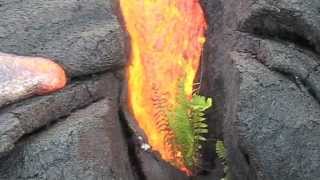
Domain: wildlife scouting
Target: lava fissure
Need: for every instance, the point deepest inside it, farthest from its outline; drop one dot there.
(134, 160)
(166, 42)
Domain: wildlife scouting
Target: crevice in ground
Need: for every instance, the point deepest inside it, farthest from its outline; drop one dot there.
(257, 25)
(301, 82)
(27, 126)
(96, 74)
(53, 122)
(283, 36)
(314, 69)
(128, 134)
(129, 138)
(311, 90)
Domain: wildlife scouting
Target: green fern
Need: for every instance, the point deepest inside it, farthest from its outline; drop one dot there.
(188, 124)
(221, 152)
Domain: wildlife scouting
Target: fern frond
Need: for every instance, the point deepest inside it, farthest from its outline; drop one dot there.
(188, 124)
(220, 150)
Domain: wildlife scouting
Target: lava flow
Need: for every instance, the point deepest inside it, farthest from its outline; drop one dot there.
(44, 73)
(167, 38)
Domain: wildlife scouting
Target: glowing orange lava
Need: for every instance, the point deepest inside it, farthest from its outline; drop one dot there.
(167, 38)
(52, 76)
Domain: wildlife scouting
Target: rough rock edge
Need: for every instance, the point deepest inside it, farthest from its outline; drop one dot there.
(223, 78)
(88, 144)
(32, 114)
(87, 39)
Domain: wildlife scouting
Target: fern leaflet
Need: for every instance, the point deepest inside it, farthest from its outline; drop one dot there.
(188, 124)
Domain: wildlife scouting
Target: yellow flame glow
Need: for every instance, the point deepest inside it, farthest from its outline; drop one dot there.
(167, 38)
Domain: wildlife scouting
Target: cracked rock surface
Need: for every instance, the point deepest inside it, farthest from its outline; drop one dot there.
(74, 133)
(82, 35)
(263, 73)
(25, 117)
(262, 70)
(85, 145)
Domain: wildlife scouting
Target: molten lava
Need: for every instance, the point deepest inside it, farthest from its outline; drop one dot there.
(47, 75)
(167, 38)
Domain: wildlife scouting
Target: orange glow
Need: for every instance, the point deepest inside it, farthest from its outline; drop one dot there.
(167, 38)
(51, 76)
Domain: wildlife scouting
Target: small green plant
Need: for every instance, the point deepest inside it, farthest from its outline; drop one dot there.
(221, 152)
(188, 124)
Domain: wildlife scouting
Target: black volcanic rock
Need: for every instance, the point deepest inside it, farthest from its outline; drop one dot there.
(25, 117)
(82, 35)
(86, 145)
(74, 133)
(261, 68)
(263, 72)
